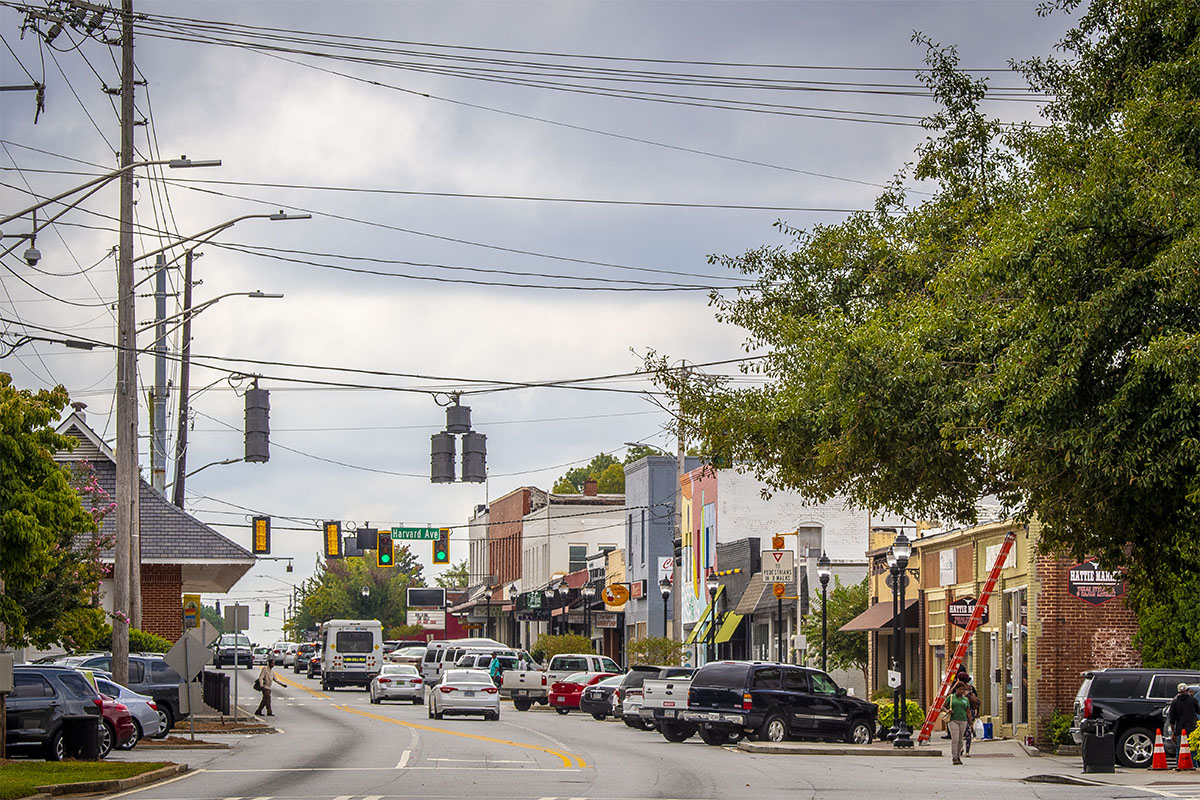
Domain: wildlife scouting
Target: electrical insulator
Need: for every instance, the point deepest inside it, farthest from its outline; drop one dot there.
(258, 425)
(474, 460)
(442, 466)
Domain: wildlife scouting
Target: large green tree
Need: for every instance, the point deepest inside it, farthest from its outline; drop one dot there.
(47, 583)
(1031, 331)
(607, 471)
(844, 649)
(335, 591)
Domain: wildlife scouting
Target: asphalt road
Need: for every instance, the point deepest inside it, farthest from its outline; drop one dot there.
(337, 746)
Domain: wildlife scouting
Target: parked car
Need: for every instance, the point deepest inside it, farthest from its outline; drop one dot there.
(565, 694)
(303, 653)
(233, 648)
(260, 655)
(148, 674)
(142, 706)
(398, 682)
(774, 702)
(464, 691)
(1168, 729)
(597, 698)
(532, 685)
(117, 725)
(392, 645)
(664, 698)
(1131, 700)
(43, 697)
(632, 685)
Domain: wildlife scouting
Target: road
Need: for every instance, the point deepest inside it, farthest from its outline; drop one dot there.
(337, 746)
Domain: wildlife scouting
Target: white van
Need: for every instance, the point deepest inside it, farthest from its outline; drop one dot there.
(440, 655)
(351, 652)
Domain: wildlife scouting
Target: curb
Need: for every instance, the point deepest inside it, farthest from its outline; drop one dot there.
(196, 745)
(821, 750)
(117, 785)
(1064, 780)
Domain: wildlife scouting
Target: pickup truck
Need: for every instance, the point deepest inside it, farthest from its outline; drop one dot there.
(663, 698)
(529, 686)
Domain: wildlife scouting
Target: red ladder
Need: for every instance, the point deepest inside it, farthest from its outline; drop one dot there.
(961, 651)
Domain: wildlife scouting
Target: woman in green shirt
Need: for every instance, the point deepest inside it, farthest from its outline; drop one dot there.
(958, 709)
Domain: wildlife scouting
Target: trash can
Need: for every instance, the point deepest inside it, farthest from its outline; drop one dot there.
(987, 730)
(81, 737)
(1099, 746)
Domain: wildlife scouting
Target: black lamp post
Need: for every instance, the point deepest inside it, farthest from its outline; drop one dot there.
(550, 594)
(487, 589)
(664, 586)
(512, 600)
(587, 593)
(893, 574)
(563, 591)
(823, 573)
(902, 549)
(713, 583)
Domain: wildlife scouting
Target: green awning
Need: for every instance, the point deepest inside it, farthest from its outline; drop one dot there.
(705, 619)
(728, 626)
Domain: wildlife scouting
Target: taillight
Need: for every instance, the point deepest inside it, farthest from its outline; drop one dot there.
(1087, 708)
(417, 680)
(122, 707)
(747, 702)
(446, 689)
(385, 680)
(152, 704)
(99, 702)
(491, 689)
(543, 680)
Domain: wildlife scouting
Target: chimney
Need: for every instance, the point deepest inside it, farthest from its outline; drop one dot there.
(79, 407)
(589, 488)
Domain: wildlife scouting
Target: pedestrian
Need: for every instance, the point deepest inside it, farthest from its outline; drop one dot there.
(496, 670)
(973, 698)
(265, 678)
(958, 711)
(1182, 714)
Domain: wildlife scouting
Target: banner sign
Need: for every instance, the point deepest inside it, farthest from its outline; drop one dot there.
(960, 610)
(1094, 585)
(534, 615)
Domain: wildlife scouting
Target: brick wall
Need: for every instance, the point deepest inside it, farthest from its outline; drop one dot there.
(162, 600)
(1073, 636)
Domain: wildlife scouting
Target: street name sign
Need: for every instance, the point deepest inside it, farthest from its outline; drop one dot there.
(416, 533)
(778, 566)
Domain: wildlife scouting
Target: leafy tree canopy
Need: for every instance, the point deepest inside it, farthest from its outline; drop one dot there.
(454, 577)
(335, 591)
(657, 650)
(1031, 331)
(608, 473)
(845, 650)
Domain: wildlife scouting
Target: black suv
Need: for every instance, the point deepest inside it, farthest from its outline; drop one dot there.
(42, 699)
(1131, 700)
(148, 674)
(773, 702)
(303, 654)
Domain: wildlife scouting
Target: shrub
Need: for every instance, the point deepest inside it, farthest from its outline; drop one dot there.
(914, 715)
(1058, 728)
(655, 650)
(550, 646)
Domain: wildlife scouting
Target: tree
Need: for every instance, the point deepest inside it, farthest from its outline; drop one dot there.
(608, 473)
(455, 577)
(655, 650)
(846, 649)
(547, 646)
(335, 591)
(1029, 332)
(210, 613)
(45, 582)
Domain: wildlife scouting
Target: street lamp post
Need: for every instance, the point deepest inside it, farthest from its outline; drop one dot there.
(903, 549)
(587, 593)
(564, 591)
(512, 599)
(823, 573)
(893, 573)
(713, 583)
(664, 586)
(550, 594)
(487, 593)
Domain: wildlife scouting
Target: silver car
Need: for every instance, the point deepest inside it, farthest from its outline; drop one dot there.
(146, 721)
(398, 682)
(464, 691)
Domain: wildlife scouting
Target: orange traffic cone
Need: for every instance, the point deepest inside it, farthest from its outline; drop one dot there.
(1184, 759)
(1159, 761)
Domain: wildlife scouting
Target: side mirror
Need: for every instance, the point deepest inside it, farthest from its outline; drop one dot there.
(840, 692)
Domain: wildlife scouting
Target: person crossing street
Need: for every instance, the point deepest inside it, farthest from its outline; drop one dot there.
(266, 677)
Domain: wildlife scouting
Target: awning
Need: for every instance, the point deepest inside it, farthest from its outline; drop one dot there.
(728, 626)
(879, 618)
(704, 621)
(759, 597)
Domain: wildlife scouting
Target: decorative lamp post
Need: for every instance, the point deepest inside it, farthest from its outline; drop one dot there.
(587, 593)
(902, 549)
(366, 592)
(713, 583)
(891, 563)
(512, 599)
(823, 573)
(664, 586)
(564, 591)
(549, 594)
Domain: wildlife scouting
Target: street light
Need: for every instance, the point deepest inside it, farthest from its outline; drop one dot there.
(890, 557)
(823, 573)
(550, 594)
(564, 591)
(488, 581)
(664, 586)
(713, 583)
(902, 549)
(513, 594)
(587, 593)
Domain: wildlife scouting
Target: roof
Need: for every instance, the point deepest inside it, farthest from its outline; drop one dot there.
(757, 599)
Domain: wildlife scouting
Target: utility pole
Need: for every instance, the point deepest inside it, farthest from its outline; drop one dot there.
(128, 541)
(184, 362)
(158, 399)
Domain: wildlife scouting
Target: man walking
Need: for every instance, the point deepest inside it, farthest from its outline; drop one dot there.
(1182, 714)
(265, 678)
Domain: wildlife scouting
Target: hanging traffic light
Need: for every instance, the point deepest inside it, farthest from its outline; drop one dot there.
(441, 547)
(333, 541)
(266, 609)
(384, 555)
(262, 535)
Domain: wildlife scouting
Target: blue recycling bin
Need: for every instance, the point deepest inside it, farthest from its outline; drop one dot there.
(987, 730)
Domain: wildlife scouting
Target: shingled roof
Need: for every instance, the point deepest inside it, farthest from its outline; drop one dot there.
(169, 535)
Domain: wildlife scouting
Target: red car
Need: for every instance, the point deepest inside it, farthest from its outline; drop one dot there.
(565, 694)
(117, 727)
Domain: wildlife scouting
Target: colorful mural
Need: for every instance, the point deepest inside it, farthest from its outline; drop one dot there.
(698, 490)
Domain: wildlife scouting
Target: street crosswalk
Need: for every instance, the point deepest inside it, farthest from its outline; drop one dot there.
(1179, 791)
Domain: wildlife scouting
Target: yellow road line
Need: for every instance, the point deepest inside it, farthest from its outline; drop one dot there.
(305, 688)
(567, 758)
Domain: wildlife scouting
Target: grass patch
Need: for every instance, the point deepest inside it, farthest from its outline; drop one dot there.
(21, 778)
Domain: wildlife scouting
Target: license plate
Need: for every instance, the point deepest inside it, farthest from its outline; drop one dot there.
(520, 692)
(468, 694)
(559, 698)
(669, 713)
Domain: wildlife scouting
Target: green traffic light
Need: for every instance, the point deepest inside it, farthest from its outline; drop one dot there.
(441, 554)
(385, 558)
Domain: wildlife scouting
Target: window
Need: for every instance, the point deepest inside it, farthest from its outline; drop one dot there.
(766, 678)
(161, 672)
(75, 683)
(822, 683)
(355, 642)
(30, 684)
(572, 663)
(577, 556)
(137, 672)
(795, 680)
(1163, 686)
(608, 665)
(724, 676)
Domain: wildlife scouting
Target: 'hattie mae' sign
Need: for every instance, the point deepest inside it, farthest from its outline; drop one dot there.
(1093, 585)
(961, 609)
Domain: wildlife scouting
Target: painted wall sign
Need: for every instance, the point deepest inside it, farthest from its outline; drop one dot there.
(960, 610)
(1094, 585)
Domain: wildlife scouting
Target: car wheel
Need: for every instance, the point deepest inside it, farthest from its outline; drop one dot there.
(55, 749)
(596, 715)
(108, 737)
(1135, 747)
(429, 709)
(629, 722)
(561, 710)
(774, 729)
(861, 732)
(522, 703)
(676, 732)
(716, 738)
(645, 724)
(137, 737)
(165, 721)
(416, 701)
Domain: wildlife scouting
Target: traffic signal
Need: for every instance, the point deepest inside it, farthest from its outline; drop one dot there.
(333, 540)
(262, 535)
(441, 547)
(384, 555)
(266, 609)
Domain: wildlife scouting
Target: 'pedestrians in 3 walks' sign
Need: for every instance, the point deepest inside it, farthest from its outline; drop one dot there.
(778, 566)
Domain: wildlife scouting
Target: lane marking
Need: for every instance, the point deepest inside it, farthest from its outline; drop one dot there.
(313, 692)
(157, 784)
(567, 758)
(475, 761)
(403, 762)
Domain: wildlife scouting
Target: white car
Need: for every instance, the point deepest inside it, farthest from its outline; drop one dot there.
(146, 721)
(464, 691)
(289, 654)
(398, 682)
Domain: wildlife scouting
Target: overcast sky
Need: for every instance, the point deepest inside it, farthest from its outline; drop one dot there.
(431, 142)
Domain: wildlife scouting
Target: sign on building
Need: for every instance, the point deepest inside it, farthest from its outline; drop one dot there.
(434, 619)
(778, 566)
(960, 610)
(191, 611)
(1094, 585)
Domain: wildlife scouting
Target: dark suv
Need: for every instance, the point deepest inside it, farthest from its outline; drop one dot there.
(1131, 700)
(303, 654)
(148, 674)
(773, 702)
(43, 698)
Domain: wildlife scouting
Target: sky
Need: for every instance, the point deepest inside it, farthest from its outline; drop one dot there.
(501, 193)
